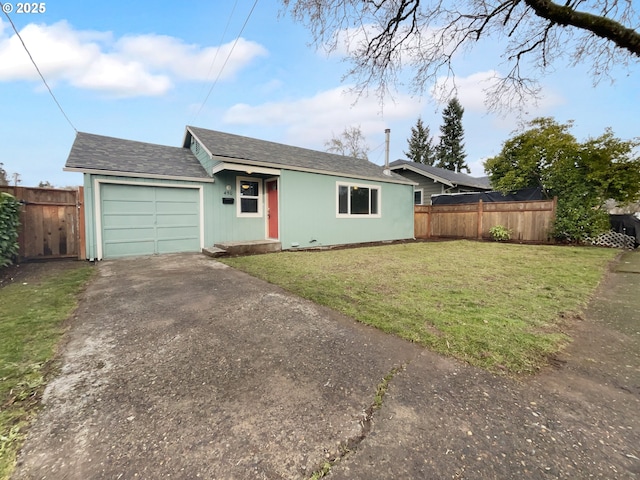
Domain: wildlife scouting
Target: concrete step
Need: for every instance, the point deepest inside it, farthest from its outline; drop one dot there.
(249, 247)
(214, 252)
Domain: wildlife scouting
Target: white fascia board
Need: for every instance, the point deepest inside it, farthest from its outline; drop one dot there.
(246, 168)
(424, 174)
(138, 175)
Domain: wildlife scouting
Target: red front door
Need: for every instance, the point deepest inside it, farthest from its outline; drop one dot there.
(272, 208)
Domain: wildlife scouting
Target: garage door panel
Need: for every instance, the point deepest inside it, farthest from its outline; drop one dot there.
(177, 220)
(127, 221)
(144, 220)
(127, 193)
(125, 234)
(176, 233)
(177, 245)
(183, 208)
(128, 249)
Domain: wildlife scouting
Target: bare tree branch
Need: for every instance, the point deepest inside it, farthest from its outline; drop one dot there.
(384, 37)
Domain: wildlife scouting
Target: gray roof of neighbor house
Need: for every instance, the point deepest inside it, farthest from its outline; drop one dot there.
(114, 156)
(443, 175)
(251, 151)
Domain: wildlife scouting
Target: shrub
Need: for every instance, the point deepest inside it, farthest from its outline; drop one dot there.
(500, 233)
(9, 222)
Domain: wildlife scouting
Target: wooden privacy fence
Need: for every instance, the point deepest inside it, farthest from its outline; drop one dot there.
(51, 222)
(529, 221)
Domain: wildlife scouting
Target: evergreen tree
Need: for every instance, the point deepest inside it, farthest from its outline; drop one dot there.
(451, 148)
(421, 148)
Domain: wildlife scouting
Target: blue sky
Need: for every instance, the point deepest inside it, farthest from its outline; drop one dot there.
(142, 70)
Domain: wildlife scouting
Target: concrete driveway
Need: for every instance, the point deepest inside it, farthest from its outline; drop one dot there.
(178, 366)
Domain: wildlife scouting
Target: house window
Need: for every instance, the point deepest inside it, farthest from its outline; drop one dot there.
(358, 200)
(249, 197)
(417, 197)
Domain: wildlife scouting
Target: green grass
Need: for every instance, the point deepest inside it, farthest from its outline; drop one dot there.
(31, 324)
(499, 306)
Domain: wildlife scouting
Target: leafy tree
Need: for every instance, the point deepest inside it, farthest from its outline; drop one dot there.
(3, 175)
(582, 175)
(45, 184)
(421, 148)
(350, 143)
(451, 148)
(9, 222)
(384, 36)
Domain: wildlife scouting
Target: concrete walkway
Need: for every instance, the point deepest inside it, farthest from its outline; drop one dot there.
(177, 366)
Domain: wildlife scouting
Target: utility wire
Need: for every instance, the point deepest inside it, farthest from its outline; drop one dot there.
(227, 59)
(215, 57)
(36, 65)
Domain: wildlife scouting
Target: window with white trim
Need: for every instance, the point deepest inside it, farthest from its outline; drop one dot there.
(249, 196)
(356, 200)
(418, 196)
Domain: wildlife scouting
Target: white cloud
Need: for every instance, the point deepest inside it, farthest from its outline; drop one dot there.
(189, 61)
(134, 65)
(315, 119)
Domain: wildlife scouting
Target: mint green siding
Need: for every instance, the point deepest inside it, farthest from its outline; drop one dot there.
(308, 212)
(142, 216)
(202, 155)
(225, 222)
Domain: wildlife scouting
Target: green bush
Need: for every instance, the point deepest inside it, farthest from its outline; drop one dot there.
(500, 233)
(9, 222)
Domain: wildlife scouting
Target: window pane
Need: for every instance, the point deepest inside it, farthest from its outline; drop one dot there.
(343, 199)
(374, 201)
(359, 201)
(417, 198)
(249, 189)
(249, 205)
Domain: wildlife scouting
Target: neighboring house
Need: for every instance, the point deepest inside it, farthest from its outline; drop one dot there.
(143, 199)
(435, 181)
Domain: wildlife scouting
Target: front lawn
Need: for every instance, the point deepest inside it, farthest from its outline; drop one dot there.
(503, 307)
(32, 313)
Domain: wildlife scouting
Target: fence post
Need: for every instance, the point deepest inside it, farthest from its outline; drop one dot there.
(479, 222)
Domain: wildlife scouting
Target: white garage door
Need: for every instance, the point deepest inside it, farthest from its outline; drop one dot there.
(145, 220)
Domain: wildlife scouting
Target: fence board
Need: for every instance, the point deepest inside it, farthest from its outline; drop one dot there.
(529, 221)
(51, 222)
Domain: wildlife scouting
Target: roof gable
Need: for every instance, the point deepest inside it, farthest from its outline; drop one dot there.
(113, 156)
(252, 151)
(442, 175)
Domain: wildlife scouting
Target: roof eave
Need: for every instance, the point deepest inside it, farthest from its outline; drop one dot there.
(235, 162)
(423, 173)
(116, 173)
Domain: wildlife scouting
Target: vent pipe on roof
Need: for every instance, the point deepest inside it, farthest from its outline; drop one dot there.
(386, 170)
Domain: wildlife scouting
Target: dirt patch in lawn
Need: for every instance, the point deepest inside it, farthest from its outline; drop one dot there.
(33, 272)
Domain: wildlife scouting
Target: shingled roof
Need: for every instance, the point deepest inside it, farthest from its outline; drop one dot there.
(251, 151)
(115, 156)
(445, 176)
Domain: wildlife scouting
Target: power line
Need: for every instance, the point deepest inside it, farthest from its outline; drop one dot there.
(227, 59)
(35, 65)
(215, 57)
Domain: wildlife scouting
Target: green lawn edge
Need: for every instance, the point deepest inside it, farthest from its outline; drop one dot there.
(32, 322)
